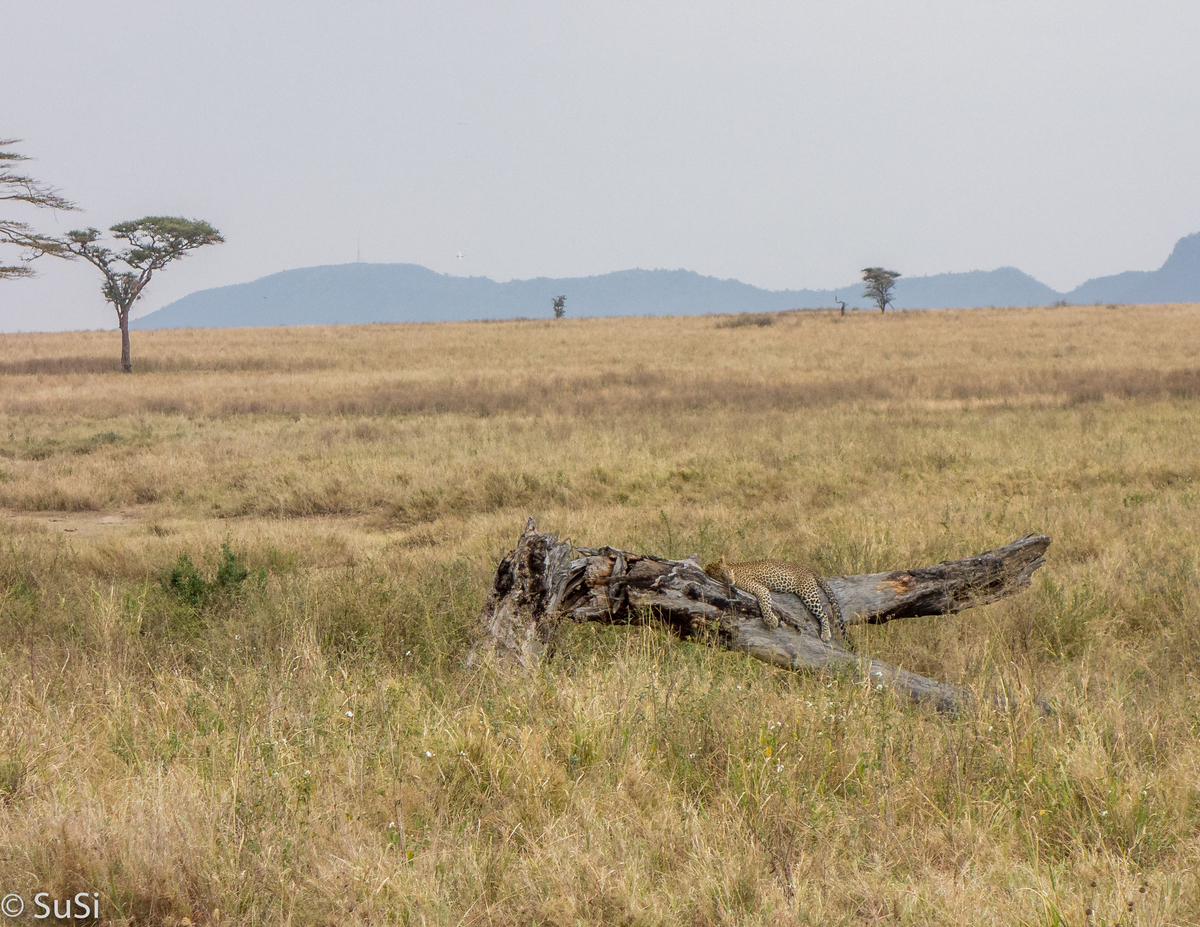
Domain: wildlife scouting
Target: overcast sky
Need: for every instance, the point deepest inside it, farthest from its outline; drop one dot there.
(787, 145)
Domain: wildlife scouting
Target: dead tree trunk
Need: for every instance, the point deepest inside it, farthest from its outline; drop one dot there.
(545, 580)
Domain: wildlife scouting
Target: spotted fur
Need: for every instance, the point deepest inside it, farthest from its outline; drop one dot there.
(761, 577)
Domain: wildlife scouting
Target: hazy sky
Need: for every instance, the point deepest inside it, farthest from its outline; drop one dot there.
(787, 145)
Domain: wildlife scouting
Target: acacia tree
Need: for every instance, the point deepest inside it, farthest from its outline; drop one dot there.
(879, 284)
(560, 306)
(16, 187)
(154, 242)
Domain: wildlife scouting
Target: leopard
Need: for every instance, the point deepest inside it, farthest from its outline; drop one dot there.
(760, 577)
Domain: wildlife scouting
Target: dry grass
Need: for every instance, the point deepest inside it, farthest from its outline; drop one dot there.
(747, 319)
(302, 745)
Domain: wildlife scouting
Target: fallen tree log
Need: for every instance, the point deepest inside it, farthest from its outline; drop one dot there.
(544, 581)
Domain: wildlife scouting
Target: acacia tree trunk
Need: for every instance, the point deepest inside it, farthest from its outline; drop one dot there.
(123, 318)
(544, 581)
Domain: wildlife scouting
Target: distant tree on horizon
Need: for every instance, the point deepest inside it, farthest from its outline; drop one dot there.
(154, 242)
(560, 306)
(16, 187)
(879, 285)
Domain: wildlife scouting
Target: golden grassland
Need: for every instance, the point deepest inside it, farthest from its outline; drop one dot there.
(237, 588)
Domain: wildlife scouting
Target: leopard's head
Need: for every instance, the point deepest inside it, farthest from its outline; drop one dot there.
(719, 570)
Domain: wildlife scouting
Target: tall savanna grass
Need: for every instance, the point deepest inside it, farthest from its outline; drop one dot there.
(237, 588)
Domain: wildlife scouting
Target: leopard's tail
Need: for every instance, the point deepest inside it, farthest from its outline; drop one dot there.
(833, 604)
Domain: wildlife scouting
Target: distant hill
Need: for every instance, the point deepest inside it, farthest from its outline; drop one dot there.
(1006, 286)
(1177, 281)
(348, 293)
(411, 293)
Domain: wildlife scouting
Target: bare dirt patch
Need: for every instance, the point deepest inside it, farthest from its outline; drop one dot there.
(81, 524)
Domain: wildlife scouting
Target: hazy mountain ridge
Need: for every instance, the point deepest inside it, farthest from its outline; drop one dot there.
(1177, 281)
(357, 293)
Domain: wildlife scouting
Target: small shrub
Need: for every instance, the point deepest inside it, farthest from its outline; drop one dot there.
(231, 572)
(187, 584)
(748, 319)
(96, 441)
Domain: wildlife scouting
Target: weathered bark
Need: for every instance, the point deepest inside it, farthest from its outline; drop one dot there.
(545, 580)
(123, 319)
